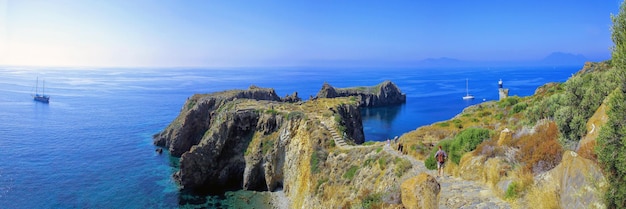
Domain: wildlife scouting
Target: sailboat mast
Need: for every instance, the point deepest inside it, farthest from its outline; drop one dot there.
(37, 86)
(43, 92)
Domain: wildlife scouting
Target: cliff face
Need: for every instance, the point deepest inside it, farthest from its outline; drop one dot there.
(383, 94)
(254, 140)
(195, 118)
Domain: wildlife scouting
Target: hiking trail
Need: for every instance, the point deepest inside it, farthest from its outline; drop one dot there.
(455, 192)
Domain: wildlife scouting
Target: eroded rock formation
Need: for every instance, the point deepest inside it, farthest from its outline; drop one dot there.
(383, 94)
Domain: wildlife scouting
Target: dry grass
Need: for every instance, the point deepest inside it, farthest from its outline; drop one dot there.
(545, 196)
(587, 150)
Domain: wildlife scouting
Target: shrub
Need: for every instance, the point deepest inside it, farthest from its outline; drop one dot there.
(367, 143)
(519, 107)
(611, 147)
(512, 192)
(541, 151)
(443, 124)
(499, 116)
(319, 183)
(466, 141)
(267, 146)
(271, 111)
(509, 101)
(351, 172)
(315, 162)
(295, 115)
(402, 165)
(371, 201)
(484, 114)
(382, 162)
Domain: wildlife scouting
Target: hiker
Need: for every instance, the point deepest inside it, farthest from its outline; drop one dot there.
(441, 157)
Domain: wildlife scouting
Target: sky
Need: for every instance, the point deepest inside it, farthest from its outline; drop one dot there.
(205, 33)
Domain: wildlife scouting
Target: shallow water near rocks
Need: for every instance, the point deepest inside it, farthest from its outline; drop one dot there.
(91, 146)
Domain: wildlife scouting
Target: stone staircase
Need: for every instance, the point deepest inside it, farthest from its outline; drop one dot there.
(339, 141)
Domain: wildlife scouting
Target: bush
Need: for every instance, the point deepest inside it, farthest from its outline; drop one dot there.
(295, 115)
(462, 143)
(611, 147)
(541, 151)
(315, 162)
(509, 101)
(402, 165)
(351, 172)
(519, 107)
(371, 201)
(443, 124)
(512, 192)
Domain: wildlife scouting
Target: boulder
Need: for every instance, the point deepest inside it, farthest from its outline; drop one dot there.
(577, 181)
(421, 191)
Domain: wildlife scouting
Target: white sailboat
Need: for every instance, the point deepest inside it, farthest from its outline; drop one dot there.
(467, 96)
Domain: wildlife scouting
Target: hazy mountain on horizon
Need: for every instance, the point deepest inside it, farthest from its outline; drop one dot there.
(553, 59)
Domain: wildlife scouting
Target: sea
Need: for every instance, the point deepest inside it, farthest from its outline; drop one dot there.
(91, 146)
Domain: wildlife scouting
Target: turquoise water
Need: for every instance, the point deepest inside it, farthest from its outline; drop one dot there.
(91, 146)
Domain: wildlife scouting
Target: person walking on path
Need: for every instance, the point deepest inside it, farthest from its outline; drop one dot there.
(441, 157)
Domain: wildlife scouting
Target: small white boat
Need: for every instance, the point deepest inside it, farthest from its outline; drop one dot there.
(467, 96)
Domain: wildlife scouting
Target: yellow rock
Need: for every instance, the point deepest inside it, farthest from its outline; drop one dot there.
(421, 191)
(505, 135)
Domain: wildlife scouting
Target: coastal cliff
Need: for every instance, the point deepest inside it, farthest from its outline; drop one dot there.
(197, 114)
(254, 140)
(383, 94)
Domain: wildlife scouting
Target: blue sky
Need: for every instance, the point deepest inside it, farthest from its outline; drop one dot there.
(293, 33)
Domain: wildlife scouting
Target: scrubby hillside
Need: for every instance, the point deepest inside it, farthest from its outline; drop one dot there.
(515, 144)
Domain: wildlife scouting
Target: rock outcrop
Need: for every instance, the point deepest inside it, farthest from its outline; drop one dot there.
(578, 182)
(421, 191)
(254, 140)
(197, 114)
(383, 94)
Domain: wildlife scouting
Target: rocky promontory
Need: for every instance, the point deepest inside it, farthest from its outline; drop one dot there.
(254, 140)
(383, 94)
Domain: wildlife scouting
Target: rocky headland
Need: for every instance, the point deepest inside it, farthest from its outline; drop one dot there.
(254, 140)
(504, 154)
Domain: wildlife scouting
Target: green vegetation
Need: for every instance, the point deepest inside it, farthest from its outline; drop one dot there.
(509, 101)
(466, 141)
(351, 172)
(402, 165)
(443, 124)
(271, 111)
(267, 146)
(315, 160)
(379, 149)
(611, 148)
(513, 191)
(319, 183)
(382, 162)
(296, 115)
(368, 143)
(371, 201)
(519, 107)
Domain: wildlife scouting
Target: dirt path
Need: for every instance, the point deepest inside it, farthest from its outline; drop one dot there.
(456, 192)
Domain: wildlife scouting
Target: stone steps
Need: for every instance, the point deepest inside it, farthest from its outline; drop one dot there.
(339, 141)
